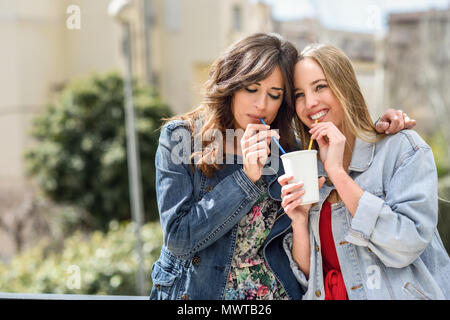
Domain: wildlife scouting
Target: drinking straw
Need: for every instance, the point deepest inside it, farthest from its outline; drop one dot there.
(276, 141)
(311, 140)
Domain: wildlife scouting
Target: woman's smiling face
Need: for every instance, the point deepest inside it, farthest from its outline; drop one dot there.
(314, 99)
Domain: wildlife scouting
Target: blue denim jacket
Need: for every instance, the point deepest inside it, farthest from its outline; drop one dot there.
(391, 248)
(199, 217)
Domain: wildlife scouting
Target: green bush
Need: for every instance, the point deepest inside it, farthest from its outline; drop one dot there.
(444, 211)
(80, 155)
(106, 263)
(438, 145)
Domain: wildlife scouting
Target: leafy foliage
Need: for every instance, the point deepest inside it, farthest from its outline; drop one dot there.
(80, 155)
(444, 211)
(438, 145)
(107, 263)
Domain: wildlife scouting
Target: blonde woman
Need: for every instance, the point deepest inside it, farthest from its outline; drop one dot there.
(373, 233)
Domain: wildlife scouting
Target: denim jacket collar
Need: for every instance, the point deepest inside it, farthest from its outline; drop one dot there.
(362, 157)
(363, 153)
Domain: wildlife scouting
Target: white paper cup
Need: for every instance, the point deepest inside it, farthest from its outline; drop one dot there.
(303, 166)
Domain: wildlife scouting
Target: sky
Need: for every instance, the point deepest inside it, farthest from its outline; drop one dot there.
(351, 15)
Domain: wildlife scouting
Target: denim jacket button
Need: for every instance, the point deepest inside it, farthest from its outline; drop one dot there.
(316, 247)
(185, 297)
(196, 260)
(318, 293)
(208, 188)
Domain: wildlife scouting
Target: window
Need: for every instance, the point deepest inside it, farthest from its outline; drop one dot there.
(237, 18)
(172, 14)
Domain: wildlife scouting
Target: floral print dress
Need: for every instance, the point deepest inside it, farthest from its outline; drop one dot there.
(250, 277)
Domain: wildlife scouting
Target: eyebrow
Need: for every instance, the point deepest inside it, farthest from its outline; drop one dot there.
(315, 81)
(274, 88)
(312, 83)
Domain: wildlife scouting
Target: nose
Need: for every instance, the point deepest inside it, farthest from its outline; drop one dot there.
(261, 101)
(311, 101)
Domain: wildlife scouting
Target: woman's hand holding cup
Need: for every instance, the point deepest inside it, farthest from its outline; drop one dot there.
(291, 195)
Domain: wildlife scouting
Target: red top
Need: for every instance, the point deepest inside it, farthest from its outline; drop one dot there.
(333, 281)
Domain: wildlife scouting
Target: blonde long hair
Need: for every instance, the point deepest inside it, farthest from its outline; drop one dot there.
(245, 62)
(342, 81)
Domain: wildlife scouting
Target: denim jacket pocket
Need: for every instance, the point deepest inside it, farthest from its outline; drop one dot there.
(164, 283)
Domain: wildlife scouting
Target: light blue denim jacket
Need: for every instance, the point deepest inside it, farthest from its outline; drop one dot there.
(391, 248)
(199, 217)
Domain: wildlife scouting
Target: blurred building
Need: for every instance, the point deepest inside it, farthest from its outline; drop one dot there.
(417, 64)
(40, 53)
(188, 36)
(360, 47)
(174, 42)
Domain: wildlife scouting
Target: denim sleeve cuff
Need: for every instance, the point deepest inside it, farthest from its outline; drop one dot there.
(364, 220)
(298, 274)
(246, 184)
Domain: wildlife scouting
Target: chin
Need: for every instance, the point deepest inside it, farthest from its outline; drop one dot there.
(306, 122)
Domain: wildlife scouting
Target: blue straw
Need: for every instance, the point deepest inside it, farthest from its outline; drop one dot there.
(276, 141)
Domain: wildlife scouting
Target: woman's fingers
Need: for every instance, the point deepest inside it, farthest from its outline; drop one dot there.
(289, 188)
(321, 181)
(258, 151)
(265, 135)
(395, 120)
(293, 197)
(329, 130)
(284, 179)
(382, 126)
(409, 123)
(321, 127)
(291, 192)
(257, 156)
(253, 128)
(293, 205)
(255, 138)
(257, 146)
(320, 134)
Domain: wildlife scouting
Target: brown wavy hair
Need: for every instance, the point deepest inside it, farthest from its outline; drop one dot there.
(245, 62)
